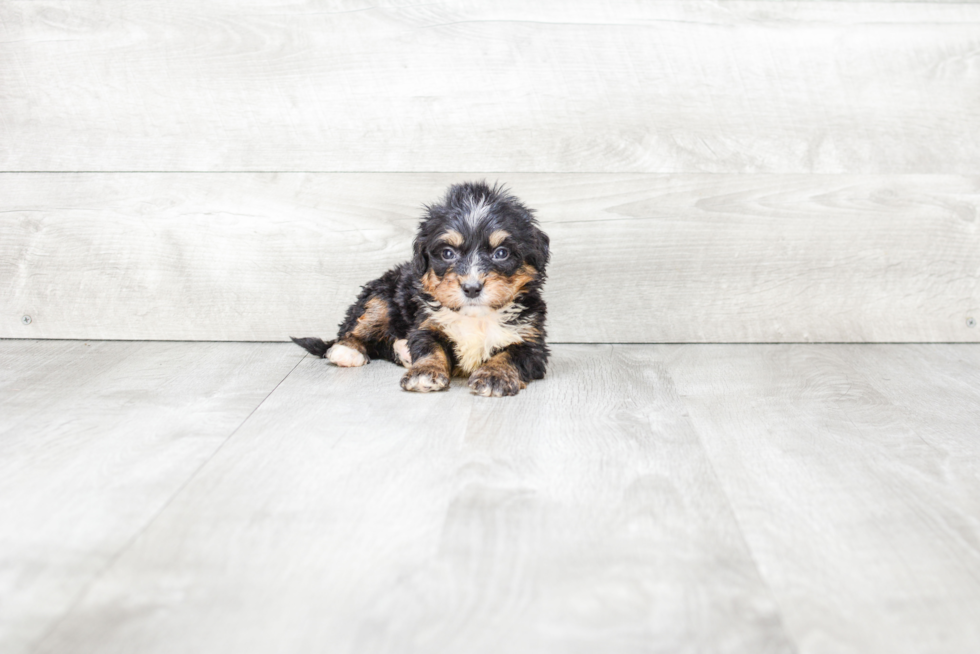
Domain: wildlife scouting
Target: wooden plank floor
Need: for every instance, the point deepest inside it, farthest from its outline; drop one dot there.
(230, 497)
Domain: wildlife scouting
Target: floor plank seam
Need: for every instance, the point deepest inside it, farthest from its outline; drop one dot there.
(780, 612)
(129, 543)
(738, 524)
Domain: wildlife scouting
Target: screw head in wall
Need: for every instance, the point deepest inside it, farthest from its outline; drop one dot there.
(26, 320)
(971, 322)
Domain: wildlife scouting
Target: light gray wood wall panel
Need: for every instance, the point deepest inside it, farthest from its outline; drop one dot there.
(549, 86)
(636, 258)
(95, 439)
(861, 513)
(349, 516)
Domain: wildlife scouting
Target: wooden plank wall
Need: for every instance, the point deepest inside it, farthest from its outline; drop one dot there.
(724, 171)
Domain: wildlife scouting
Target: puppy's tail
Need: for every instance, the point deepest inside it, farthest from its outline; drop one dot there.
(314, 346)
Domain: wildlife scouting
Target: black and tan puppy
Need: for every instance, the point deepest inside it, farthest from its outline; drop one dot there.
(469, 303)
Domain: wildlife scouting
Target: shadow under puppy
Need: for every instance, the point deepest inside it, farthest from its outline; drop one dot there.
(469, 302)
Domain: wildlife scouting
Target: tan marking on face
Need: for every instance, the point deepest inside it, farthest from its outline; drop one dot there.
(500, 291)
(452, 237)
(372, 325)
(498, 237)
(430, 280)
(478, 334)
(445, 290)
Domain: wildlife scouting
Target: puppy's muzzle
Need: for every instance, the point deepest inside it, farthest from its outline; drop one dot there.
(471, 289)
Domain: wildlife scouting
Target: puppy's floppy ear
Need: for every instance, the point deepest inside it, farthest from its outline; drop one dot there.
(541, 253)
(420, 258)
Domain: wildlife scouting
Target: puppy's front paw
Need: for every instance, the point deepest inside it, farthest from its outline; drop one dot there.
(425, 380)
(497, 381)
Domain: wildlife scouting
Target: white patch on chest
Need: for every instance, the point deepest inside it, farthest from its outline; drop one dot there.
(477, 331)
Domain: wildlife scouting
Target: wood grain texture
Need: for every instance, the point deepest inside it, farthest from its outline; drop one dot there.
(557, 86)
(350, 516)
(95, 439)
(862, 514)
(937, 389)
(591, 512)
(636, 258)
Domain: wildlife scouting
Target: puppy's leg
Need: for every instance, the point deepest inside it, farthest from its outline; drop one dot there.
(510, 370)
(431, 366)
(497, 377)
(364, 331)
(402, 352)
(348, 353)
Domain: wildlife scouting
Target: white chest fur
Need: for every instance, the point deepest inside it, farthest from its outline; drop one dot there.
(477, 331)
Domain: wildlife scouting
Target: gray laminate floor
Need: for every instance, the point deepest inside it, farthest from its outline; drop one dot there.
(239, 498)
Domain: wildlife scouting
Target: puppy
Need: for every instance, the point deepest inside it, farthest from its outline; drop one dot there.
(468, 304)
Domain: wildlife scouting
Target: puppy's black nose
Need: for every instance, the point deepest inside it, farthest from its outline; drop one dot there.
(472, 289)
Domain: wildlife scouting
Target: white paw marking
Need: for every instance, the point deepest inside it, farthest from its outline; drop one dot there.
(401, 349)
(490, 386)
(346, 357)
(484, 390)
(424, 383)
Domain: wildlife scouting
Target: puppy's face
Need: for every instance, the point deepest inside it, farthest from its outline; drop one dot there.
(478, 249)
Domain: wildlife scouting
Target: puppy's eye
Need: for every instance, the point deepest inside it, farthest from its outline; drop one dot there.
(500, 254)
(448, 254)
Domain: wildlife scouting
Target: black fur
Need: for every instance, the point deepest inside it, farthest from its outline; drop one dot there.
(373, 328)
(314, 346)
